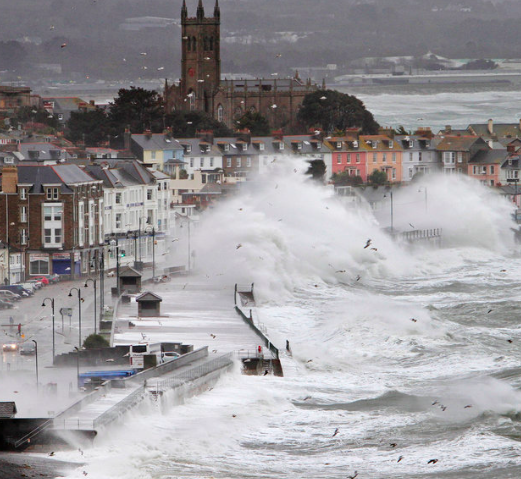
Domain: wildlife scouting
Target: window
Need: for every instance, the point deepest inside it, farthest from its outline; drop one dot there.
(384, 158)
(349, 158)
(238, 161)
(261, 146)
(118, 220)
(244, 146)
(149, 193)
(393, 174)
(153, 155)
(191, 162)
(23, 236)
(211, 162)
(39, 266)
(220, 113)
(201, 163)
(419, 156)
(460, 157)
(394, 157)
(52, 193)
(248, 162)
(118, 198)
(23, 193)
(229, 162)
(449, 157)
(410, 172)
(374, 157)
(358, 157)
(52, 213)
(492, 169)
(23, 214)
(339, 159)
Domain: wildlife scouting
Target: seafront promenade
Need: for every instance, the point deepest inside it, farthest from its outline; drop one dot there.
(193, 312)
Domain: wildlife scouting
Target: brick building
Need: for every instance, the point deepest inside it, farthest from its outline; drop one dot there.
(52, 218)
(201, 88)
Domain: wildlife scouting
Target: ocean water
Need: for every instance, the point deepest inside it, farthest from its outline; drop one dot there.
(405, 358)
(438, 109)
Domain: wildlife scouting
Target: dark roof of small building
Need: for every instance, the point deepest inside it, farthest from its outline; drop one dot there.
(129, 272)
(148, 296)
(63, 175)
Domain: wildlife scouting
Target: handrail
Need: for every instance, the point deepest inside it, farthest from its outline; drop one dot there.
(33, 433)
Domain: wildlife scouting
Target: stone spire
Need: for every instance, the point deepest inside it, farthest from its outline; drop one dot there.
(184, 10)
(217, 10)
(200, 10)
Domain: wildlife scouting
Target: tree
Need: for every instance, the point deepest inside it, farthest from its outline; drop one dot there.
(138, 109)
(185, 124)
(401, 131)
(91, 126)
(377, 177)
(95, 341)
(316, 169)
(344, 178)
(33, 115)
(331, 110)
(255, 122)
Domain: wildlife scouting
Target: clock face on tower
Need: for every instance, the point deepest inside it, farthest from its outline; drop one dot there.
(191, 72)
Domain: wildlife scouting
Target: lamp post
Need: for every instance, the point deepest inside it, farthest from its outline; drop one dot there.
(153, 251)
(114, 242)
(392, 211)
(80, 299)
(424, 188)
(53, 341)
(36, 357)
(95, 309)
(77, 367)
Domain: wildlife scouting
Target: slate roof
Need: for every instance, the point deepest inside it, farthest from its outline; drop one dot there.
(383, 142)
(489, 157)
(129, 272)
(116, 172)
(156, 141)
(457, 143)
(39, 175)
(148, 296)
(499, 130)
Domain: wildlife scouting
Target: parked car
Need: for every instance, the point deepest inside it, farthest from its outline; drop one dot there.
(10, 347)
(18, 289)
(4, 293)
(43, 279)
(6, 304)
(28, 349)
(31, 286)
(53, 278)
(34, 283)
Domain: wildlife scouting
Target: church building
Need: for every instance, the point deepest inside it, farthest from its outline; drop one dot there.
(201, 87)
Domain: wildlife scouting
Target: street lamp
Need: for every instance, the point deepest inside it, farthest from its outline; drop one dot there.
(80, 300)
(77, 367)
(95, 309)
(36, 357)
(424, 188)
(114, 242)
(153, 250)
(392, 212)
(53, 342)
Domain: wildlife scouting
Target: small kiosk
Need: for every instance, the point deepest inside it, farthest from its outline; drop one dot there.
(148, 305)
(130, 280)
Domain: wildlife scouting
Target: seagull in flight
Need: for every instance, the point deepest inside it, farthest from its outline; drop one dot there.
(336, 432)
(367, 244)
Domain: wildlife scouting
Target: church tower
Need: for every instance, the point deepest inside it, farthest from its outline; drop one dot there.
(201, 57)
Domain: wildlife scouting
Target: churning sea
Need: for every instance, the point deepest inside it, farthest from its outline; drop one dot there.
(406, 359)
